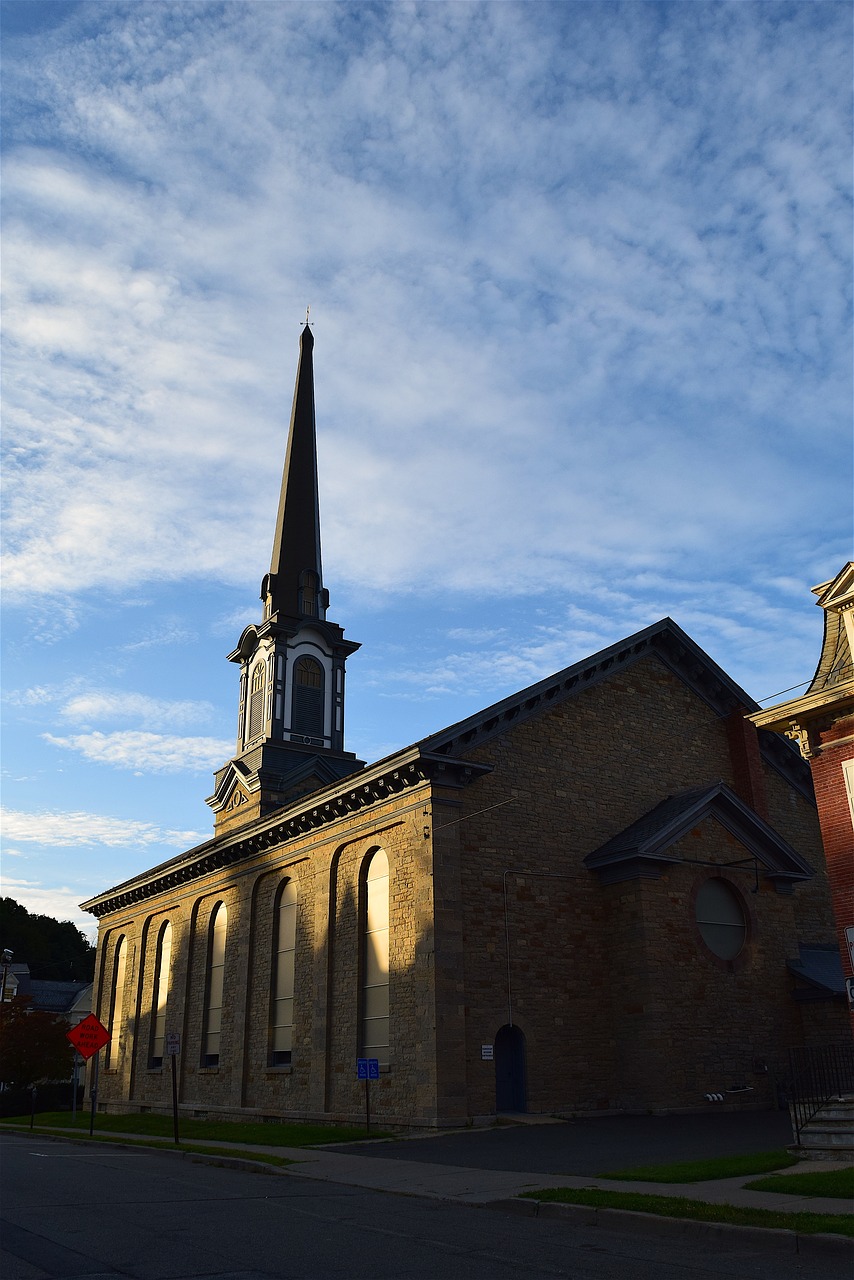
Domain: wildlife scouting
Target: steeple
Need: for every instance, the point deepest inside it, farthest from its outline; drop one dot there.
(290, 735)
(293, 587)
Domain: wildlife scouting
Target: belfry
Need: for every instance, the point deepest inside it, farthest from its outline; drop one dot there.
(290, 724)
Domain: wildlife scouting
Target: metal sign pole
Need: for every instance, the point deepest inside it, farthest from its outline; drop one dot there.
(367, 1105)
(174, 1057)
(75, 1071)
(93, 1092)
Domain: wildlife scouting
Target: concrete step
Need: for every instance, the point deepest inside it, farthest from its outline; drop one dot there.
(839, 1155)
(828, 1138)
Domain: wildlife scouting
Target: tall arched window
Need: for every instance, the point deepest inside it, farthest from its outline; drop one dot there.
(214, 986)
(117, 1000)
(375, 933)
(256, 701)
(284, 948)
(307, 714)
(162, 963)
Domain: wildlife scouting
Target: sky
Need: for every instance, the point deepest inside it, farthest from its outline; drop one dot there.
(579, 278)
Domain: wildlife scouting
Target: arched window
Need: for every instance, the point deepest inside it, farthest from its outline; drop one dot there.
(214, 986)
(162, 963)
(307, 717)
(375, 935)
(721, 918)
(284, 948)
(117, 999)
(256, 702)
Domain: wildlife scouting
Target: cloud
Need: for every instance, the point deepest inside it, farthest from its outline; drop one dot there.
(82, 704)
(99, 705)
(147, 752)
(595, 275)
(80, 830)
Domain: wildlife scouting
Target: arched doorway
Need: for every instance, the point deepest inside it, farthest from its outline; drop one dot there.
(511, 1093)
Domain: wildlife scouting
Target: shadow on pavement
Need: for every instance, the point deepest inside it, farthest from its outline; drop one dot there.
(593, 1145)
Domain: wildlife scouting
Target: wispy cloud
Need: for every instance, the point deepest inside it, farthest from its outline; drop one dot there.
(152, 713)
(602, 273)
(76, 830)
(147, 752)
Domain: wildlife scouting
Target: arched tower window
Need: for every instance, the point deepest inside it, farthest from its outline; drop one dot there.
(117, 999)
(307, 717)
(375, 938)
(214, 986)
(256, 702)
(284, 950)
(162, 965)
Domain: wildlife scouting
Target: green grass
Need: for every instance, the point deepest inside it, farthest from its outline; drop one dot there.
(705, 1170)
(837, 1183)
(149, 1125)
(260, 1157)
(700, 1211)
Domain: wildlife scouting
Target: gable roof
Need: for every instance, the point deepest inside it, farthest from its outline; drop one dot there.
(641, 850)
(664, 640)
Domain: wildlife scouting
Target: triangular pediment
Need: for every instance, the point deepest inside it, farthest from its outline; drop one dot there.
(235, 786)
(645, 848)
(838, 593)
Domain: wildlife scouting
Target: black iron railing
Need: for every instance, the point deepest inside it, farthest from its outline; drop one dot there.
(816, 1075)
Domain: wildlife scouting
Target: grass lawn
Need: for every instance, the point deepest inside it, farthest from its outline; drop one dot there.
(148, 1125)
(837, 1183)
(705, 1170)
(698, 1210)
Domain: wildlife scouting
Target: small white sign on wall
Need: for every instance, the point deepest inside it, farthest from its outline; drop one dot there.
(486, 1052)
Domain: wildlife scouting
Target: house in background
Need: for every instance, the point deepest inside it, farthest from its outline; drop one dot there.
(71, 1000)
(587, 897)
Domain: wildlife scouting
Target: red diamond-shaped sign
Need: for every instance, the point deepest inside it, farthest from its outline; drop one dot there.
(88, 1036)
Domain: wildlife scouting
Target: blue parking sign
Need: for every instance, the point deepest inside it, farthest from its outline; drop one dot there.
(373, 1068)
(361, 1068)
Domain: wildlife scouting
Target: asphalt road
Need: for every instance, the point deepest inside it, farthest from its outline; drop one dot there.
(69, 1211)
(597, 1145)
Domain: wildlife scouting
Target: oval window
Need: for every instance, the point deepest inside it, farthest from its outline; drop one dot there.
(721, 919)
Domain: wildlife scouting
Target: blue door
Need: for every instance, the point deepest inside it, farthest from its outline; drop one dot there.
(510, 1085)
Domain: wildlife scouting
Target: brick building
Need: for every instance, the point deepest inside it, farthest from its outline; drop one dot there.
(821, 722)
(597, 894)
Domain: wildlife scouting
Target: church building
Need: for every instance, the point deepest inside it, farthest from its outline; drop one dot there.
(606, 892)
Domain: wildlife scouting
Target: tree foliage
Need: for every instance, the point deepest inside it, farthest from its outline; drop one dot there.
(55, 950)
(33, 1045)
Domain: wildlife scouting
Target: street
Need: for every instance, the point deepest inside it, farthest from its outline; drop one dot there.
(102, 1212)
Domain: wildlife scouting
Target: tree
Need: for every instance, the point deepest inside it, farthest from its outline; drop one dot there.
(33, 1046)
(54, 949)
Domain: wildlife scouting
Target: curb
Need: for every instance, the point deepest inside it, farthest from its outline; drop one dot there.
(774, 1239)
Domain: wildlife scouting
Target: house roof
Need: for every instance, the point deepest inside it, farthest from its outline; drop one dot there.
(55, 997)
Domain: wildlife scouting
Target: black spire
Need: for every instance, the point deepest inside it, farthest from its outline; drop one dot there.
(294, 585)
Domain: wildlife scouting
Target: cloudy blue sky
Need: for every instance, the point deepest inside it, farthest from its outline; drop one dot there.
(579, 277)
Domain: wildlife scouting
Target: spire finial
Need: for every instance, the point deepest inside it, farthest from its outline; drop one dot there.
(307, 313)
